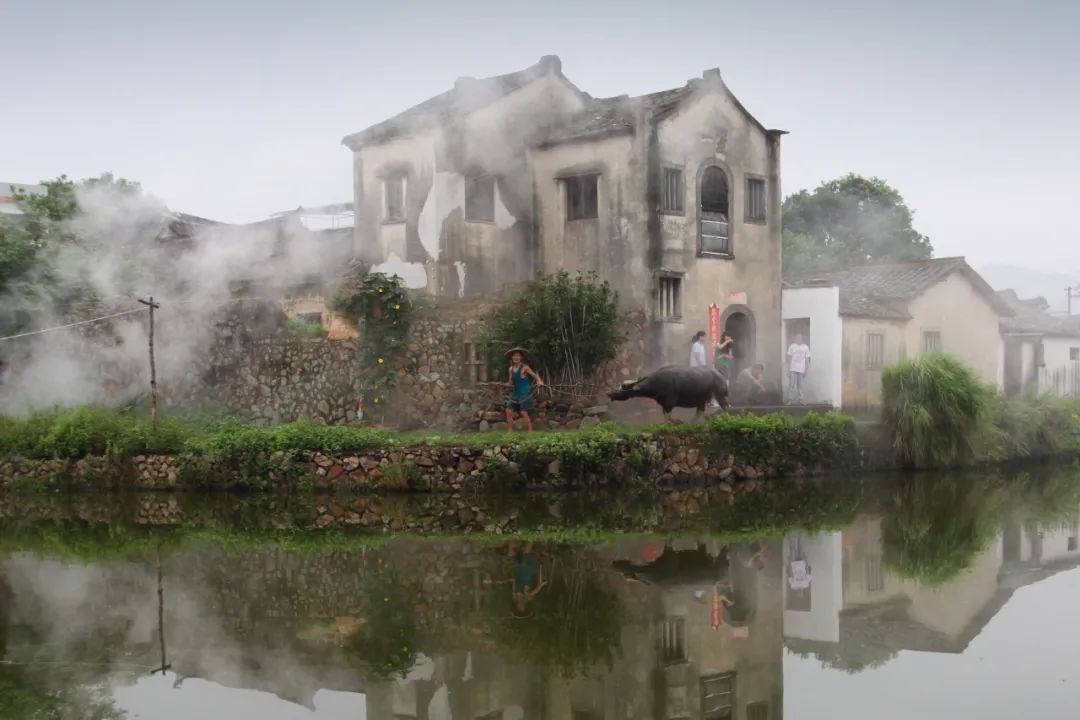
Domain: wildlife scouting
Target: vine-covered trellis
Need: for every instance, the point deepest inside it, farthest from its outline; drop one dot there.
(382, 309)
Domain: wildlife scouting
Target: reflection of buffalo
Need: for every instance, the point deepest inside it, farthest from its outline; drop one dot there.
(678, 386)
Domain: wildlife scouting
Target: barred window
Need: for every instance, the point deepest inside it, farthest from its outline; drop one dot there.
(755, 200)
(875, 351)
(671, 198)
(669, 306)
(931, 341)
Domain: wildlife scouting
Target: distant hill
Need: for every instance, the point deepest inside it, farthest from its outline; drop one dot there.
(1029, 283)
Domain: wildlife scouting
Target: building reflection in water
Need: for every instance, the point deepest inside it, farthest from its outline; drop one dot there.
(686, 628)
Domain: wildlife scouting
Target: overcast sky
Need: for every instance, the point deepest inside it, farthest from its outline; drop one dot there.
(235, 109)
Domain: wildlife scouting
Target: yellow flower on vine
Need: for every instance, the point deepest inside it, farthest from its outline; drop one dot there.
(380, 361)
(397, 306)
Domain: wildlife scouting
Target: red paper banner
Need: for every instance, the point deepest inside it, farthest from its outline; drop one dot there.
(714, 325)
(716, 611)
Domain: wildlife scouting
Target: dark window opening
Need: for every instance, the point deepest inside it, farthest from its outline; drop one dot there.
(394, 194)
(312, 318)
(715, 214)
(480, 199)
(875, 351)
(755, 200)
(671, 198)
(1040, 355)
(931, 341)
(581, 197)
(1074, 354)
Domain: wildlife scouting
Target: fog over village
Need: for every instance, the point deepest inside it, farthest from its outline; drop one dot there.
(559, 360)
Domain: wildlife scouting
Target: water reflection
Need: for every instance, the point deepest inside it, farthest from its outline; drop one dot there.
(691, 623)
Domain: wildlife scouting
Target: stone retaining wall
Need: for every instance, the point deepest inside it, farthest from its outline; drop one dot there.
(663, 461)
(274, 379)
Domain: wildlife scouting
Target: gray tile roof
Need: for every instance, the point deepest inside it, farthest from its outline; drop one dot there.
(883, 291)
(468, 94)
(1029, 318)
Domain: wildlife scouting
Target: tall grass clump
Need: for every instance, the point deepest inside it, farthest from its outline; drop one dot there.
(938, 412)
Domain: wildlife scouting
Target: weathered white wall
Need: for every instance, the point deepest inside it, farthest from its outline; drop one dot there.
(688, 139)
(969, 326)
(821, 305)
(1056, 354)
(614, 243)
(862, 385)
(822, 621)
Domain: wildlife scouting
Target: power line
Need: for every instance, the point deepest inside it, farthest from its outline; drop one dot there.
(131, 312)
(76, 324)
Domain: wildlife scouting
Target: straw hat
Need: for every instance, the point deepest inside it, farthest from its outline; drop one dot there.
(513, 350)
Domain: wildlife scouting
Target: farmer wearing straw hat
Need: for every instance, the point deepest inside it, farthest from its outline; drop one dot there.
(521, 400)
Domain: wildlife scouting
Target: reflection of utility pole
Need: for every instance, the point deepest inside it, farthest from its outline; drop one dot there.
(160, 615)
(1071, 292)
(153, 371)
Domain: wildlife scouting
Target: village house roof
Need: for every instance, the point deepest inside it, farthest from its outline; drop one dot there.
(467, 95)
(884, 291)
(600, 116)
(1030, 318)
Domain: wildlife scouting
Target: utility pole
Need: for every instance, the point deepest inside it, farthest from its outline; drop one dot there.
(153, 369)
(1071, 292)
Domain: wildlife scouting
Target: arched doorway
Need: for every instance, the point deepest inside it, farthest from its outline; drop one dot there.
(715, 230)
(739, 324)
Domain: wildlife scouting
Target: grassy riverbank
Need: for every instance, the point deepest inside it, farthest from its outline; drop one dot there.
(754, 446)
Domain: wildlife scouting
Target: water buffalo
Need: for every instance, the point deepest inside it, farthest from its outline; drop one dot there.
(678, 386)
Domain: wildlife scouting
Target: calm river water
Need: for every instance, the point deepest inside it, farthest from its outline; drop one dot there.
(930, 597)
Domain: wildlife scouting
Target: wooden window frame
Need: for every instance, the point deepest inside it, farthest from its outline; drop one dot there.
(747, 217)
(870, 365)
(568, 182)
(719, 676)
(729, 182)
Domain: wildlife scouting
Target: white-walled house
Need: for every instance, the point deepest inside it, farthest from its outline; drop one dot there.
(672, 197)
(886, 313)
(1042, 351)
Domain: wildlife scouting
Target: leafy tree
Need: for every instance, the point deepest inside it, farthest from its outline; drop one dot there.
(45, 253)
(846, 222)
(569, 324)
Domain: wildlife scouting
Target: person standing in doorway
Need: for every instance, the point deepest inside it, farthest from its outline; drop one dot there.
(798, 355)
(698, 357)
(724, 354)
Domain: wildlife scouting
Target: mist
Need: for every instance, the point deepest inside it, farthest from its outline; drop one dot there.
(121, 249)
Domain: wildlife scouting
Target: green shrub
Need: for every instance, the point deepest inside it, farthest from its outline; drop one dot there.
(1037, 426)
(937, 411)
(570, 324)
(781, 442)
(300, 329)
(87, 431)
